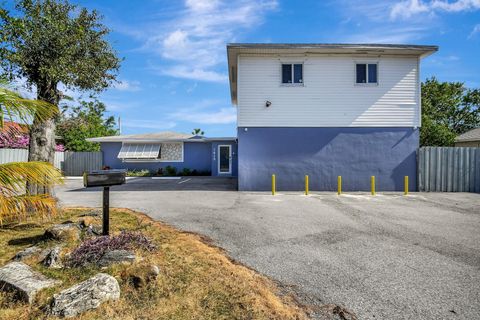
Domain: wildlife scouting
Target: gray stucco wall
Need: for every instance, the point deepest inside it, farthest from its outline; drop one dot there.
(325, 153)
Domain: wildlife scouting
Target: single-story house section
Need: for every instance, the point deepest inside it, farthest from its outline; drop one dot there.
(469, 139)
(155, 151)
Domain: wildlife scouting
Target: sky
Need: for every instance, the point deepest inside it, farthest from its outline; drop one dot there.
(174, 71)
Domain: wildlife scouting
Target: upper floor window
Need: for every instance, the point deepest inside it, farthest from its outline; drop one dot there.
(292, 73)
(367, 73)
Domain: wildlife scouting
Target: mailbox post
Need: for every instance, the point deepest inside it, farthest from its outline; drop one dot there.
(105, 179)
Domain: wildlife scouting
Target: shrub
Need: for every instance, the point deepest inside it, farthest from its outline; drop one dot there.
(186, 172)
(139, 173)
(170, 171)
(90, 251)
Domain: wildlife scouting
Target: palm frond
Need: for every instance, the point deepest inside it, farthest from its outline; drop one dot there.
(14, 175)
(15, 107)
(17, 207)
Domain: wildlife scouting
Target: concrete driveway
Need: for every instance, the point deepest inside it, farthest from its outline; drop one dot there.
(383, 257)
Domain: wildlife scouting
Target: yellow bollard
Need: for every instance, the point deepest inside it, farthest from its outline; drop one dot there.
(339, 182)
(306, 185)
(406, 185)
(273, 185)
(372, 183)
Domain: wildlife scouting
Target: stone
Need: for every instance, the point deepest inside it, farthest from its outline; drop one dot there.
(63, 232)
(52, 258)
(26, 253)
(142, 275)
(116, 256)
(88, 221)
(19, 278)
(87, 295)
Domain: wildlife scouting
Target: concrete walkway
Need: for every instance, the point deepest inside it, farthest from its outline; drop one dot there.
(383, 257)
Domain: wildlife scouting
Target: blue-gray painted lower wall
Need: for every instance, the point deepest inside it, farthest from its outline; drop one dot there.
(200, 156)
(196, 156)
(356, 154)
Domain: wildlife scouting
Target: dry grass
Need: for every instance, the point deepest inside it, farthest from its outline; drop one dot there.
(196, 281)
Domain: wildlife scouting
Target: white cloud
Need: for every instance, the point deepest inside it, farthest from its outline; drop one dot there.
(148, 124)
(195, 40)
(388, 35)
(125, 85)
(222, 116)
(407, 9)
(475, 31)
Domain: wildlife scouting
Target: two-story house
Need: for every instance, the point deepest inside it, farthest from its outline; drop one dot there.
(326, 110)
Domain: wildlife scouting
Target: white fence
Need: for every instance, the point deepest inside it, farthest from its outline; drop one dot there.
(71, 163)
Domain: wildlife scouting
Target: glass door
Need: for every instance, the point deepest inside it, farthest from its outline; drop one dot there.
(224, 159)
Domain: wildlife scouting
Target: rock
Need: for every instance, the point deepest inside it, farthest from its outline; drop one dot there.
(23, 280)
(88, 221)
(116, 256)
(63, 232)
(140, 276)
(85, 296)
(26, 253)
(52, 258)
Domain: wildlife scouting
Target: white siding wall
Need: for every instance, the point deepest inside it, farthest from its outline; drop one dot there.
(329, 97)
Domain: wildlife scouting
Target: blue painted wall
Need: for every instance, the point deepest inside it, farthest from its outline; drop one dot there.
(214, 168)
(325, 153)
(196, 155)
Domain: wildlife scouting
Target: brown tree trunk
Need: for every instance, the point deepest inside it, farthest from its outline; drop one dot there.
(42, 133)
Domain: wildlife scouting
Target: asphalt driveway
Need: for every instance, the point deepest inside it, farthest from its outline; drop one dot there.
(383, 257)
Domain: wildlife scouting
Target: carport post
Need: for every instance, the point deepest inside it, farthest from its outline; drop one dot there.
(106, 209)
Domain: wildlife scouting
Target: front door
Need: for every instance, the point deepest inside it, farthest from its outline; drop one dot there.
(224, 159)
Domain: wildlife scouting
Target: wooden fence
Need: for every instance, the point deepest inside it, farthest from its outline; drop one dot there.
(449, 169)
(71, 163)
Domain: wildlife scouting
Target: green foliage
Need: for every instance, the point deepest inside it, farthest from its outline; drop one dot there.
(48, 42)
(170, 171)
(139, 173)
(85, 121)
(198, 132)
(448, 110)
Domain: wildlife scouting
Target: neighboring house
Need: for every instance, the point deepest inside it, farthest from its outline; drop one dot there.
(469, 139)
(216, 156)
(326, 110)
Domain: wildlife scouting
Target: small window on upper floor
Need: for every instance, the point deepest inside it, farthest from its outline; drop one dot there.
(367, 73)
(292, 73)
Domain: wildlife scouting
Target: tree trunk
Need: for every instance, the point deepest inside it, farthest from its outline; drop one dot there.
(42, 133)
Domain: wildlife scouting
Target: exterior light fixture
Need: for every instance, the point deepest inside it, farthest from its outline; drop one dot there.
(268, 104)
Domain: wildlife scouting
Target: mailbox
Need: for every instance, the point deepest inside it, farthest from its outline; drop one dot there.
(104, 178)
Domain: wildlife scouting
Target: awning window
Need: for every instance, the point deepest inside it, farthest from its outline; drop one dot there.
(139, 151)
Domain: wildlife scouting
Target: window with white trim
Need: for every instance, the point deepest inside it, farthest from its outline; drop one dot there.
(292, 73)
(148, 152)
(366, 73)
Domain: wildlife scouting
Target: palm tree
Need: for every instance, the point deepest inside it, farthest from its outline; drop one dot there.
(15, 202)
(198, 132)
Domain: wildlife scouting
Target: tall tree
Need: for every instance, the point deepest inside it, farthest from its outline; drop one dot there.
(87, 120)
(50, 43)
(14, 202)
(448, 110)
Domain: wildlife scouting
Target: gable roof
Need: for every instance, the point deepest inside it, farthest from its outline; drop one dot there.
(360, 49)
(472, 135)
(164, 136)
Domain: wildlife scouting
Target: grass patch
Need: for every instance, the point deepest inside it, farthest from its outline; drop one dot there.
(196, 280)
